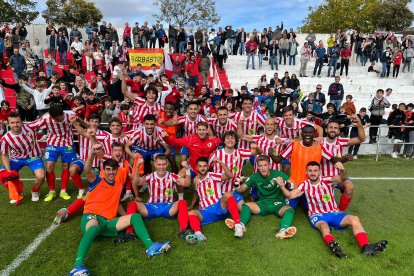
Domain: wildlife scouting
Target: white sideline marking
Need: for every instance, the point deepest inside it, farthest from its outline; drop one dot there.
(28, 251)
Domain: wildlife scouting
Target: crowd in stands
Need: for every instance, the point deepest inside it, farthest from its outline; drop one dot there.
(83, 74)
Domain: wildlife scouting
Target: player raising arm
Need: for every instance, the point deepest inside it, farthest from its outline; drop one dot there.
(99, 216)
(323, 211)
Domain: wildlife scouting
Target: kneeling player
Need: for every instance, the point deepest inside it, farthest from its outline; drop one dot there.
(161, 186)
(323, 212)
(99, 216)
(214, 205)
(271, 199)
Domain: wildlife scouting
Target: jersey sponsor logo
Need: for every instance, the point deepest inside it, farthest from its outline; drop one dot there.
(235, 169)
(210, 191)
(251, 131)
(168, 192)
(326, 198)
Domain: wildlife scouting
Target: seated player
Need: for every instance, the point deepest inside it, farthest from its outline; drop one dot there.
(270, 198)
(214, 205)
(118, 154)
(147, 140)
(99, 215)
(323, 211)
(19, 148)
(161, 186)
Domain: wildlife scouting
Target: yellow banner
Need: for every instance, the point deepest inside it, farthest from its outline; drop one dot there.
(146, 57)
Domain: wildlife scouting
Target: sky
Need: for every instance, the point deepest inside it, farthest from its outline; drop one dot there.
(238, 13)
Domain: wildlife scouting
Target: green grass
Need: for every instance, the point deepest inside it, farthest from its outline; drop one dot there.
(385, 208)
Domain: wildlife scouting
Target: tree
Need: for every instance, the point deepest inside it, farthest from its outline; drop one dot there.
(69, 12)
(393, 15)
(332, 15)
(14, 11)
(188, 12)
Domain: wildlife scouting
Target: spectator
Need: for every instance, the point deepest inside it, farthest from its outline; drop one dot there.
(172, 37)
(251, 47)
(2, 49)
(386, 59)
(293, 51)
(320, 96)
(17, 63)
(242, 38)
(349, 105)
(311, 38)
(336, 93)
(262, 48)
(38, 54)
(284, 47)
(273, 49)
(62, 29)
(319, 54)
(63, 46)
(162, 38)
(395, 121)
(126, 36)
(377, 108)
(396, 63)
(409, 132)
(75, 33)
(408, 56)
(364, 118)
(305, 53)
(345, 56)
(333, 56)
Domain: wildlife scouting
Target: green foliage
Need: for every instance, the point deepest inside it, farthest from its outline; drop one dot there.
(187, 12)
(14, 11)
(393, 15)
(78, 12)
(332, 15)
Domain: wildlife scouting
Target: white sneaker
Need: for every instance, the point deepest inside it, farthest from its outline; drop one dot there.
(35, 196)
(394, 155)
(398, 141)
(355, 157)
(13, 201)
(81, 193)
(238, 230)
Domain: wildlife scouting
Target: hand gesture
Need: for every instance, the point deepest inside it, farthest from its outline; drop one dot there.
(279, 181)
(91, 132)
(97, 148)
(73, 119)
(184, 164)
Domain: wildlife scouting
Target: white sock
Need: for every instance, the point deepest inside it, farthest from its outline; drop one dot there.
(180, 196)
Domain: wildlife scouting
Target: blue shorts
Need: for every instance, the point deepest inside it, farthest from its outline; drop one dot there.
(158, 209)
(184, 151)
(213, 213)
(147, 155)
(67, 154)
(295, 202)
(238, 197)
(34, 164)
(253, 192)
(332, 219)
(80, 163)
(285, 162)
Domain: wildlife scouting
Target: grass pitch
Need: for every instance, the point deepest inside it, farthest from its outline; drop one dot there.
(384, 206)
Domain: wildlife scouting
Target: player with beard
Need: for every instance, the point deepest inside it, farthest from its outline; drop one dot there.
(99, 215)
(222, 123)
(334, 145)
(270, 198)
(323, 212)
(118, 154)
(301, 152)
(214, 204)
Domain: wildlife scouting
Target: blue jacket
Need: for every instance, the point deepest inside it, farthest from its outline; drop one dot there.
(18, 63)
(1, 46)
(161, 32)
(89, 32)
(320, 52)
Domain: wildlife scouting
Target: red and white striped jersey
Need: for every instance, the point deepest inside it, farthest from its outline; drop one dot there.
(190, 126)
(161, 189)
(85, 145)
(336, 149)
(209, 189)
(60, 134)
(219, 129)
(23, 145)
(141, 108)
(109, 140)
(250, 126)
(291, 132)
(320, 197)
(234, 162)
(265, 144)
(147, 142)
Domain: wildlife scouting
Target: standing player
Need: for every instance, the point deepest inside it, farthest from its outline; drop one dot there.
(233, 158)
(301, 152)
(323, 212)
(19, 148)
(142, 107)
(222, 123)
(214, 204)
(249, 120)
(334, 145)
(161, 186)
(99, 215)
(271, 199)
(59, 143)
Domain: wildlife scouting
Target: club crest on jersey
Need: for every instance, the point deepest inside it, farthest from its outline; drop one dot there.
(209, 145)
(168, 192)
(235, 169)
(210, 191)
(326, 198)
(251, 131)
